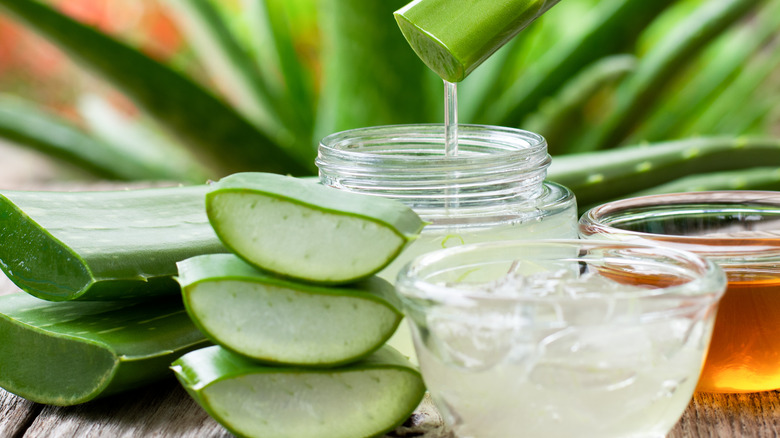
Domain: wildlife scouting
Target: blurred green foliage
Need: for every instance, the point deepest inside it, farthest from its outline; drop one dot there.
(264, 80)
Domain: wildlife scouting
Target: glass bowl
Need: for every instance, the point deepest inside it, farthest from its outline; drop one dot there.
(560, 337)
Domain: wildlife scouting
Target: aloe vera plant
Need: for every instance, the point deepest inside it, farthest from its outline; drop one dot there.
(70, 353)
(366, 398)
(282, 74)
(111, 245)
(289, 323)
(303, 230)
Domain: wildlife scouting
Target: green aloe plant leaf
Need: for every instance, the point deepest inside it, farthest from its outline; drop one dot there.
(26, 124)
(370, 76)
(226, 139)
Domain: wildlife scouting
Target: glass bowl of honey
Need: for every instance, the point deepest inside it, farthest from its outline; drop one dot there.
(739, 231)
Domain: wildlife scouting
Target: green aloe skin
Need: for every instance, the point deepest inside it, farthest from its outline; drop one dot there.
(453, 37)
(279, 321)
(102, 245)
(69, 353)
(305, 231)
(363, 399)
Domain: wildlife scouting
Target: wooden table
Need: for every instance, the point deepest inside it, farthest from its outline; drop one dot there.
(165, 410)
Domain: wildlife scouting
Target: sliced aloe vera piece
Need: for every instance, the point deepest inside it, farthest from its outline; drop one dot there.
(69, 353)
(284, 322)
(366, 398)
(102, 245)
(303, 230)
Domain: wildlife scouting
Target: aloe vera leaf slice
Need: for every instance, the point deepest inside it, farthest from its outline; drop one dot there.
(303, 230)
(278, 321)
(102, 245)
(363, 399)
(69, 353)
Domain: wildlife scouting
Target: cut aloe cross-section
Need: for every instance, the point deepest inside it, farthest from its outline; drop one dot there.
(280, 321)
(69, 353)
(102, 245)
(364, 399)
(300, 229)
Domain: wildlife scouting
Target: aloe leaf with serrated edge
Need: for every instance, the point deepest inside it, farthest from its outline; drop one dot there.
(756, 178)
(604, 175)
(617, 26)
(370, 76)
(277, 321)
(362, 399)
(306, 231)
(27, 125)
(69, 353)
(102, 245)
(636, 96)
(228, 64)
(216, 132)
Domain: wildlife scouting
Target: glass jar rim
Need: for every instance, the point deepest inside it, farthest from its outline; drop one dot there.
(707, 277)
(599, 222)
(358, 145)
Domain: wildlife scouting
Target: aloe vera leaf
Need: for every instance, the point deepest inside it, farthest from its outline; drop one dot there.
(222, 137)
(559, 118)
(282, 322)
(307, 231)
(69, 353)
(363, 399)
(599, 176)
(454, 38)
(26, 125)
(102, 245)
(370, 76)
(723, 116)
(637, 95)
(709, 78)
(229, 64)
(757, 178)
(136, 139)
(273, 42)
(616, 28)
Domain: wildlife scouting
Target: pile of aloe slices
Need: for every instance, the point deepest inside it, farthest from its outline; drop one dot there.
(276, 271)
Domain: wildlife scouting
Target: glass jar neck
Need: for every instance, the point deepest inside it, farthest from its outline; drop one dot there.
(494, 166)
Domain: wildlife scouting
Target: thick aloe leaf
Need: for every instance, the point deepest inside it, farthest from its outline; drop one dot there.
(69, 353)
(616, 28)
(25, 124)
(229, 64)
(563, 117)
(363, 399)
(600, 176)
(639, 92)
(226, 140)
(307, 231)
(102, 245)
(757, 178)
(370, 74)
(283, 322)
(454, 38)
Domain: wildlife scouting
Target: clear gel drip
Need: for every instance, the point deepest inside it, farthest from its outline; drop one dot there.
(450, 119)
